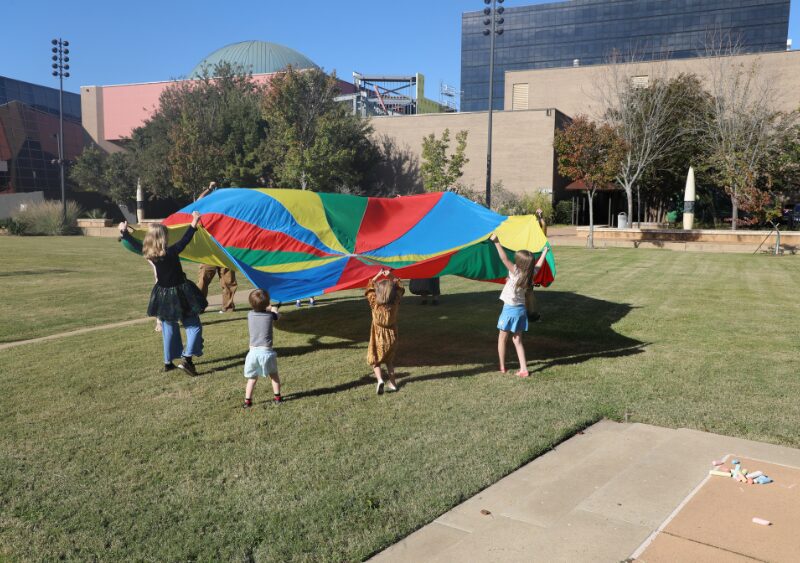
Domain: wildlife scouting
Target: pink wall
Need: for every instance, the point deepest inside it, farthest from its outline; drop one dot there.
(127, 106)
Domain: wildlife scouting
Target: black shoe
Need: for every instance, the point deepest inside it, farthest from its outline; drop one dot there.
(534, 317)
(168, 367)
(188, 366)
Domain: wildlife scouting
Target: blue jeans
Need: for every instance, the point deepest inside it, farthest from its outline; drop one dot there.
(173, 346)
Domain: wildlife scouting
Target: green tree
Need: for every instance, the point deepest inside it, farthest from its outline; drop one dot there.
(439, 171)
(314, 142)
(110, 174)
(205, 129)
(742, 130)
(664, 182)
(591, 154)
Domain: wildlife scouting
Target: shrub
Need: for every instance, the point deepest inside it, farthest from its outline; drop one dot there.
(563, 213)
(96, 214)
(529, 203)
(11, 226)
(46, 218)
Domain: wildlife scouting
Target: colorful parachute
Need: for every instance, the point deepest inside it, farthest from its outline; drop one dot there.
(300, 244)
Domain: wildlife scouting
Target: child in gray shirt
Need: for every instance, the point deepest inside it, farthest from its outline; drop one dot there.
(261, 360)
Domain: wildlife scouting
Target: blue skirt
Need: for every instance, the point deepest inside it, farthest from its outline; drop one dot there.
(513, 318)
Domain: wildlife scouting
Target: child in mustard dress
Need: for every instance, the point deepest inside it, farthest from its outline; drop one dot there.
(384, 300)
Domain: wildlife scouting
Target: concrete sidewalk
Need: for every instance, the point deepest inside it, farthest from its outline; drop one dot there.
(596, 497)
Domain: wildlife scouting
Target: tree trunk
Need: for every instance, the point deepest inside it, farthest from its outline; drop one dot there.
(638, 208)
(590, 238)
(629, 195)
(734, 210)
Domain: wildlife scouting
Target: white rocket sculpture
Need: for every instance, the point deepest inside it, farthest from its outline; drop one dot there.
(688, 201)
(139, 201)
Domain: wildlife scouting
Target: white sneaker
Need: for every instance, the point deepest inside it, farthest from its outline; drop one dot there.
(379, 389)
(298, 303)
(391, 387)
(312, 302)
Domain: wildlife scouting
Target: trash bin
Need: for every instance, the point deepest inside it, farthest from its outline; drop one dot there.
(672, 217)
(622, 220)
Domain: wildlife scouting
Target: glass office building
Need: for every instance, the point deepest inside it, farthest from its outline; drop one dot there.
(587, 32)
(29, 136)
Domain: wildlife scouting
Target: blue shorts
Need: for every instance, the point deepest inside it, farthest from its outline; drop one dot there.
(260, 362)
(513, 318)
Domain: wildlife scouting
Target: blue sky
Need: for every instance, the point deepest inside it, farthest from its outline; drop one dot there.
(115, 42)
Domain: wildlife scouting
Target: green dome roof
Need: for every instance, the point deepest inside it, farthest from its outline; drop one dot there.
(258, 57)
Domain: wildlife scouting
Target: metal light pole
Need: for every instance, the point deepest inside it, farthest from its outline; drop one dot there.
(492, 20)
(61, 70)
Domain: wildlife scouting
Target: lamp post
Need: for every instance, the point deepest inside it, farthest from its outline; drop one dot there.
(61, 70)
(492, 20)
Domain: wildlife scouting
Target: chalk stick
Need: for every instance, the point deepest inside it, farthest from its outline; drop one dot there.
(736, 462)
(754, 474)
(719, 473)
(750, 481)
(763, 480)
(761, 521)
(717, 462)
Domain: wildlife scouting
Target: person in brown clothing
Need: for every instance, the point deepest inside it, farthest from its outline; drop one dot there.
(384, 300)
(227, 277)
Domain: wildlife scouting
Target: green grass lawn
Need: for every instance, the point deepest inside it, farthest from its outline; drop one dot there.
(103, 457)
(57, 284)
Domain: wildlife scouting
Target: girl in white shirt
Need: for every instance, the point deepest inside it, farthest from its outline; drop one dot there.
(514, 318)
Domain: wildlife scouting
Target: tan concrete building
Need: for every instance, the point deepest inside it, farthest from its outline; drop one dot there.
(537, 102)
(574, 90)
(522, 145)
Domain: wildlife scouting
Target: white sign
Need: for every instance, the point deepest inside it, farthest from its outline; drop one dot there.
(3, 166)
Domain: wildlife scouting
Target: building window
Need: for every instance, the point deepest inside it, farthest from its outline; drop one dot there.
(519, 96)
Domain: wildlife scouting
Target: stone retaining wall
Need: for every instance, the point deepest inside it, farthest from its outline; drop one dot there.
(742, 237)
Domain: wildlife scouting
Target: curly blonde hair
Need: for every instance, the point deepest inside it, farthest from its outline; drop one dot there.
(154, 245)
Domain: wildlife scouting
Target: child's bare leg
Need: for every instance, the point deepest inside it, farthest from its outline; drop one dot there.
(523, 363)
(502, 340)
(379, 377)
(276, 384)
(248, 391)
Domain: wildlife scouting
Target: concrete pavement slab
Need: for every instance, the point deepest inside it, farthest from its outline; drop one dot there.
(601, 496)
(646, 491)
(423, 545)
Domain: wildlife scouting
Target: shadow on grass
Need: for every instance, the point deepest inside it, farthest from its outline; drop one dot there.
(461, 331)
(35, 272)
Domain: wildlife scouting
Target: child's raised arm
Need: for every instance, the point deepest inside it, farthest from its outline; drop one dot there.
(540, 261)
(501, 251)
(178, 247)
(126, 236)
